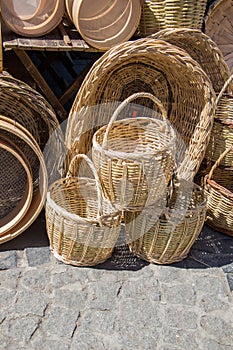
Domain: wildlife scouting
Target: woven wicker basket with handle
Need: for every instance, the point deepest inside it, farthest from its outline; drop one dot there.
(221, 136)
(166, 235)
(82, 226)
(135, 157)
(218, 186)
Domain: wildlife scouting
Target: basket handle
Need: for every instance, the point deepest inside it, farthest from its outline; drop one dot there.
(71, 173)
(227, 83)
(216, 164)
(127, 101)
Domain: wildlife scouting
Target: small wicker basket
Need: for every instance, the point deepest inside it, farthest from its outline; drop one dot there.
(82, 226)
(218, 186)
(165, 236)
(221, 136)
(135, 157)
(161, 14)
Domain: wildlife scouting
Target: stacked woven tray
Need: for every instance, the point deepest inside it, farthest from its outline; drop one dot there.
(30, 141)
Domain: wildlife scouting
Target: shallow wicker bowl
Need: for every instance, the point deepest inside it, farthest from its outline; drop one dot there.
(202, 49)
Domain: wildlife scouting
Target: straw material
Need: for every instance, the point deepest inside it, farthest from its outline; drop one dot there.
(161, 14)
(23, 104)
(31, 151)
(82, 226)
(221, 136)
(16, 185)
(153, 66)
(219, 26)
(219, 189)
(135, 157)
(202, 49)
(165, 236)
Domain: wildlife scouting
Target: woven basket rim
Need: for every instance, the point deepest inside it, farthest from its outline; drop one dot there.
(130, 155)
(219, 188)
(169, 211)
(40, 195)
(75, 217)
(16, 215)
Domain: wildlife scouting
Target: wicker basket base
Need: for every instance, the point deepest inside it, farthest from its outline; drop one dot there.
(144, 256)
(219, 228)
(74, 262)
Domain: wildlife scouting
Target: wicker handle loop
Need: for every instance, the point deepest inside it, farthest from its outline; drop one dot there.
(71, 173)
(127, 101)
(216, 164)
(227, 83)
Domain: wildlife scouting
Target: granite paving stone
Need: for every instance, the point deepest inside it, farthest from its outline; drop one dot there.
(8, 260)
(46, 304)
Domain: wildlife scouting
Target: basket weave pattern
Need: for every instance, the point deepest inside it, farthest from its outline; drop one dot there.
(82, 226)
(221, 137)
(134, 156)
(219, 27)
(218, 186)
(165, 236)
(202, 49)
(154, 66)
(161, 14)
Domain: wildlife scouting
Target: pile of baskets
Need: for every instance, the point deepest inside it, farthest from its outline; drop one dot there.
(144, 156)
(30, 141)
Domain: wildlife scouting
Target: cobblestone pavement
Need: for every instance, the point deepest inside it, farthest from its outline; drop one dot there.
(124, 303)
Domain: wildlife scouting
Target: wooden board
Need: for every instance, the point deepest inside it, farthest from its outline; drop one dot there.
(64, 37)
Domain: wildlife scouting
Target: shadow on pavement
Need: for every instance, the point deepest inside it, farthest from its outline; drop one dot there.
(211, 249)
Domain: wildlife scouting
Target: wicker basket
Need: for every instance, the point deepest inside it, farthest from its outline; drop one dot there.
(16, 184)
(202, 49)
(221, 136)
(161, 14)
(219, 26)
(82, 226)
(31, 151)
(165, 236)
(135, 157)
(218, 186)
(23, 104)
(153, 66)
